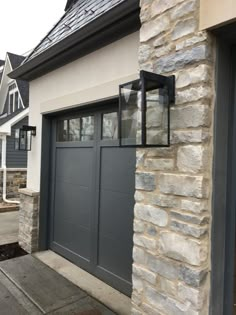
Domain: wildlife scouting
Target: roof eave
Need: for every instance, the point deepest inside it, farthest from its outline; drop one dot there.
(123, 18)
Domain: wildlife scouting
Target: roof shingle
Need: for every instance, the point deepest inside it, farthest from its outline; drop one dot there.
(78, 15)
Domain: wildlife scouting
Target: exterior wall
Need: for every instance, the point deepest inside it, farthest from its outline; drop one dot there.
(171, 270)
(93, 77)
(16, 179)
(15, 158)
(216, 12)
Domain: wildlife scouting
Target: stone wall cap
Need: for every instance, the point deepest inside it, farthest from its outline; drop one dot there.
(28, 192)
(14, 169)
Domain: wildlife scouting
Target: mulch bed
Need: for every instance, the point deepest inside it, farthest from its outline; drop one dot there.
(10, 251)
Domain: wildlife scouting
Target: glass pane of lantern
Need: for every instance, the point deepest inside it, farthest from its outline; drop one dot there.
(74, 129)
(23, 140)
(130, 99)
(28, 142)
(17, 135)
(87, 128)
(62, 130)
(157, 116)
(110, 126)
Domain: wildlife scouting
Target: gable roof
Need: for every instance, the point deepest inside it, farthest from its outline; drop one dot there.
(86, 26)
(15, 60)
(2, 62)
(23, 86)
(12, 62)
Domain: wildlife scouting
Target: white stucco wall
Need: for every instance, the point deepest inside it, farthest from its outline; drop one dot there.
(93, 77)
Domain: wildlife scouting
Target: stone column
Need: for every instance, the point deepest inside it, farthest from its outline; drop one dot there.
(171, 270)
(29, 220)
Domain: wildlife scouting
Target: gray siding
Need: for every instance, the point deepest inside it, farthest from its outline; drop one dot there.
(16, 158)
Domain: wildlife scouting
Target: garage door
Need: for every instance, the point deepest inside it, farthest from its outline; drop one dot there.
(93, 184)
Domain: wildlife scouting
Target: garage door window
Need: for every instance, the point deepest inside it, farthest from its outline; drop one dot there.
(110, 126)
(76, 129)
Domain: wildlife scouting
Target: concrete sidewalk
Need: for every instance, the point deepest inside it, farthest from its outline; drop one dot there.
(27, 286)
(9, 224)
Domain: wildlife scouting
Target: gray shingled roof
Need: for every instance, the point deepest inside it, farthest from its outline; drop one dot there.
(78, 15)
(23, 86)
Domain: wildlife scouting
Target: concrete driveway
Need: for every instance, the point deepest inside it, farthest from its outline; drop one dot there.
(9, 223)
(27, 286)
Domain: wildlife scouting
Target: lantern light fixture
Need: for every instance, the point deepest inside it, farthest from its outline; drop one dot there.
(23, 137)
(144, 110)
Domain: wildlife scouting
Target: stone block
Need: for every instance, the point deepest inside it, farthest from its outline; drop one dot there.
(190, 76)
(193, 94)
(183, 9)
(183, 249)
(195, 206)
(145, 274)
(197, 297)
(190, 218)
(159, 164)
(183, 28)
(137, 284)
(163, 200)
(192, 276)
(154, 28)
(162, 267)
(160, 6)
(167, 286)
(151, 214)
(145, 242)
(168, 305)
(139, 255)
(139, 226)
(192, 158)
(189, 136)
(188, 229)
(181, 59)
(198, 38)
(183, 185)
(190, 116)
(144, 53)
(145, 181)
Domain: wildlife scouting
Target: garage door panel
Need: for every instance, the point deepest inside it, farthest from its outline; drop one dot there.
(72, 202)
(111, 259)
(117, 169)
(116, 216)
(74, 165)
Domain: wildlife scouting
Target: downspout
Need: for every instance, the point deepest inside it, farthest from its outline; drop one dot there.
(4, 168)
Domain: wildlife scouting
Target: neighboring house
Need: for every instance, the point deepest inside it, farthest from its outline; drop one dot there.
(174, 250)
(14, 103)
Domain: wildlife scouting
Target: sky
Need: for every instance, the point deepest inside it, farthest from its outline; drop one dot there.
(23, 23)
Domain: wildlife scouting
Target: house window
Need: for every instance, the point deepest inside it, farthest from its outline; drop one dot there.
(14, 102)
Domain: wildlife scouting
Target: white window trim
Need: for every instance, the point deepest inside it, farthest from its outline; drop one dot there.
(13, 92)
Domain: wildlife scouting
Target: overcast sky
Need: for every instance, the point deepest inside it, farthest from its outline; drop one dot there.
(23, 23)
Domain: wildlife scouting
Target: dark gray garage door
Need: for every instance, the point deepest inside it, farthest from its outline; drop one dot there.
(93, 196)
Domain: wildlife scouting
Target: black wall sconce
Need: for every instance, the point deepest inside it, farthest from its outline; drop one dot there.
(23, 137)
(144, 110)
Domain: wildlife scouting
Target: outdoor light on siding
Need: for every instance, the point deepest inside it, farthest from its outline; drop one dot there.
(23, 137)
(144, 110)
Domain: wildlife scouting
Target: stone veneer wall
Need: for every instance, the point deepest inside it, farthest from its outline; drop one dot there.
(171, 270)
(16, 179)
(29, 220)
